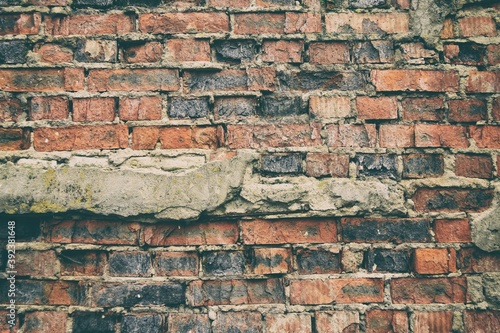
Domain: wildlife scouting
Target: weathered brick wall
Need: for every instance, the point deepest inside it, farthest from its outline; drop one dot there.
(251, 165)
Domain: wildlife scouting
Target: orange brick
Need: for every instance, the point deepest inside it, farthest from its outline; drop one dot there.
(188, 50)
(350, 135)
(397, 136)
(259, 23)
(173, 23)
(485, 136)
(41, 80)
(148, 52)
(367, 23)
(386, 321)
(433, 322)
(483, 82)
(140, 108)
(302, 23)
(53, 53)
(10, 109)
(271, 260)
(93, 109)
(328, 53)
(477, 26)
(45, 321)
(415, 80)
(441, 136)
(290, 322)
(423, 290)
(56, 107)
(452, 231)
(337, 321)
(321, 164)
(262, 78)
(377, 108)
(282, 51)
(145, 137)
(89, 25)
(435, 261)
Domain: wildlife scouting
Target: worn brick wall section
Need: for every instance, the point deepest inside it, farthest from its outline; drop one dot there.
(362, 140)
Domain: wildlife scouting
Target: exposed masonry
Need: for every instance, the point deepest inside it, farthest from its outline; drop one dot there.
(251, 165)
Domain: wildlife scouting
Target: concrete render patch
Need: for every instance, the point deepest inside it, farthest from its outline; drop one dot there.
(486, 225)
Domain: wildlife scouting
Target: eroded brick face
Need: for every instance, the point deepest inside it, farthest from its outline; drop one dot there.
(218, 166)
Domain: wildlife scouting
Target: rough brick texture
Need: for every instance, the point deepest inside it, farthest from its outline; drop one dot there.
(262, 166)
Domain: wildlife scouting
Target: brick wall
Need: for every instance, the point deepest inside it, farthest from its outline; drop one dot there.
(251, 165)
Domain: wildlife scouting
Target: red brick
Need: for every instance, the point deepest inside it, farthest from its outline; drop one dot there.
(229, 3)
(10, 109)
(271, 261)
(145, 137)
(452, 200)
(81, 137)
(433, 322)
(495, 109)
(173, 23)
(89, 25)
(211, 233)
(415, 80)
(5, 327)
(133, 79)
(482, 321)
(282, 51)
(93, 109)
(339, 291)
(97, 50)
(189, 137)
(351, 135)
(140, 108)
(416, 53)
(485, 136)
(423, 108)
(236, 292)
(302, 23)
(34, 263)
(290, 322)
(188, 322)
(393, 23)
(53, 53)
(262, 78)
(45, 321)
(337, 321)
(441, 136)
(20, 24)
(386, 321)
(93, 232)
(464, 54)
(14, 139)
(27, 80)
(377, 107)
(188, 50)
(82, 263)
(428, 290)
(330, 107)
(477, 26)
(435, 261)
(397, 136)
(375, 51)
(328, 53)
(176, 263)
(467, 110)
(474, 260)
(148, 52)
(56, 107)
(244, 321)
(274, 3)
(447, 31)
(322, 164)
(259, 23)
(483, 82)
(280, 135)
(493, 54)
(452, 231)
(289, 231)
(474, 166)
(50, 292)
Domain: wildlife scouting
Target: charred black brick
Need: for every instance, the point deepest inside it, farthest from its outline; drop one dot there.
(188, 108)
(130, 264)
(468, 54)
(324, 80)
(212, 80)
(317, 261)
(385, 230)
(279, 106)
(93, 3)
(387, 261)
(422, 165)
(13, 52)
(177, 264)
(227, 107)
(94, 322)
(142, 324)
(224, 263)
(27, 228)
(278, 164)
(235, 50)
(366, 3)
(149, 3)
(377, 165)
(128, 295)
(36, 292)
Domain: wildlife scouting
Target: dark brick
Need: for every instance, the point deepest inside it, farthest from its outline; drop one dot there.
(235, 50)
(238, 322)
(188, 322)
(467, 110)
(482, 321)
(230, 107)
(14, 138)
(225, 80)
(176, 263)
(377, 165)
(271, 3)
(452, 200)
(379, 260)
(188, 108)
(128, 295)
(13, 52)
(93, 322)
(422, 165)
(37, 292)
(129, 264)
(82, 263)
(27, 228)
(366, 3)
(318, 261)
(279, 164)
(10, 109)
(223, 263)
(142, 324)
(385, 230)
(93, 3)
(270, 260)
(324, 80)
(474, 260)
(428, 109)
(464, 54)
(377, 51)
(149, 3)
(279, 106)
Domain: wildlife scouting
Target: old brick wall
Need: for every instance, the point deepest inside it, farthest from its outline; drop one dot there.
(251, 165)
